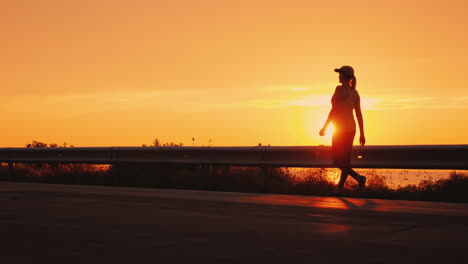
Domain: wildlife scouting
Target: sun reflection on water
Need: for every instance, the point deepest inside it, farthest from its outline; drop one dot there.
(392, 178)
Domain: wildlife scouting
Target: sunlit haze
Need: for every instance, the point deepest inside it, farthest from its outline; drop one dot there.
(229, 73)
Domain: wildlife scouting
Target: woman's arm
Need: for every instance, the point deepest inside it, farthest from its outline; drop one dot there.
(329, 119)
(357, 108)
(338, 92)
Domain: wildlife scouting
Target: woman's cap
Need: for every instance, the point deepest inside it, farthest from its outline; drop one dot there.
(347, 71)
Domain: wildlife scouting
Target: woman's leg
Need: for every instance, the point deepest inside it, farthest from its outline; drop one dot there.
(342, 144)
(354, 174)
(343, 177)
(339, 150)
(349, 171)
(359, 178)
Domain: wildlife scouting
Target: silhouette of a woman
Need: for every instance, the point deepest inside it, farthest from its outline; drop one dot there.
(345, 99)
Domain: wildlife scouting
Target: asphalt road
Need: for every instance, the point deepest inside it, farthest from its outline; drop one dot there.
(42, 223)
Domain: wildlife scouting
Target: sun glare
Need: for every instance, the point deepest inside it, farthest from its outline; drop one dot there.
(299, 89)
(326, 140)
(369, 103)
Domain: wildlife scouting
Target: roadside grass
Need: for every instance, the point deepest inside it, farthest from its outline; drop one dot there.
(317, 182)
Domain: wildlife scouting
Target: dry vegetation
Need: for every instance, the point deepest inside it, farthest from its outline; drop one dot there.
(237, 179)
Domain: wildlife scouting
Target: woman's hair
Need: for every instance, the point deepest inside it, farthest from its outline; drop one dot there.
(353, 80)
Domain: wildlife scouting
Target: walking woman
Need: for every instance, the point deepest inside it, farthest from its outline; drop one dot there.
(344, 101)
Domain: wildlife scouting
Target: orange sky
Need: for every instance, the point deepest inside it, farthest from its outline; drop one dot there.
(121, 73)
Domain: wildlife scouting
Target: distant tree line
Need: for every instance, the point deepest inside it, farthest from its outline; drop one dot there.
(38, 144)
(158, 143)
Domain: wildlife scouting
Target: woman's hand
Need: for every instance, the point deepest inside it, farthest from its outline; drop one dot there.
(322, 132)
(362, 140)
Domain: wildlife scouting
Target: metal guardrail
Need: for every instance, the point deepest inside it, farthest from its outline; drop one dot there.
(397, 157)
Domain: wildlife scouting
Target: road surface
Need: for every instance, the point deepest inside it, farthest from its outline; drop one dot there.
(51, 223)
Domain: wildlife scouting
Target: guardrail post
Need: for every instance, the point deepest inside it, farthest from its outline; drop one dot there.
(265, 172)
(10, 170)
(116, 173)
(208, 172)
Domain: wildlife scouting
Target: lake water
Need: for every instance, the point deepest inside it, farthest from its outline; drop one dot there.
(391, 177)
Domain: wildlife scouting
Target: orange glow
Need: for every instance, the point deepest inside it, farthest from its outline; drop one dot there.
(333, 228)
(121, 72)
(319, 202)
(341, 203)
